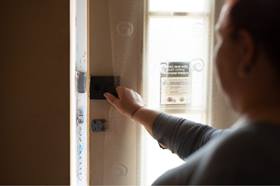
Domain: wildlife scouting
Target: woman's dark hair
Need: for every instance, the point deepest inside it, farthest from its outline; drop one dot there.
(261, 18)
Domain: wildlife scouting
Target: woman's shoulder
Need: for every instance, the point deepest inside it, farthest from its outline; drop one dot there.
(250, 137)
(241, 156)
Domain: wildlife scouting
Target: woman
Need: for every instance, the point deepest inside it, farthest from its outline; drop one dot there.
(247, 62)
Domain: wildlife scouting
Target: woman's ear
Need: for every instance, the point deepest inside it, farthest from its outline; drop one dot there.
(247, 54)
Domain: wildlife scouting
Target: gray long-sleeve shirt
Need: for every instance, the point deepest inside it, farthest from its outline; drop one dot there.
(248, 154)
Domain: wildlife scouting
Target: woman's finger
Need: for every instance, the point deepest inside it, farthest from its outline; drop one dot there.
(120, 91)
(110, 98)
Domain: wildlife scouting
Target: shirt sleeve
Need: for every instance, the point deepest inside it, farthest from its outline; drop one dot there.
(182, 136)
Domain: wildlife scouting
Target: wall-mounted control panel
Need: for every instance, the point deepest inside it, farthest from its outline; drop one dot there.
(102, 84)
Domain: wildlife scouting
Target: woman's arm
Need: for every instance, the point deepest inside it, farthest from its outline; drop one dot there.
(131, 105)
(181, 136)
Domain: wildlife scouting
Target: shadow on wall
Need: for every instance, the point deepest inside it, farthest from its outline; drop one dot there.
(34, 96)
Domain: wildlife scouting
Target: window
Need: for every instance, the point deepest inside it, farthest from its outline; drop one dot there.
(176, 70)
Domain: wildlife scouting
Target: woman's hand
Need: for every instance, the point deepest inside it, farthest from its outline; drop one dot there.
(131, 105)
(128, 103)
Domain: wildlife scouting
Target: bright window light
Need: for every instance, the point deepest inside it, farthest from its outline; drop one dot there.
(177, 38)
(193, 6)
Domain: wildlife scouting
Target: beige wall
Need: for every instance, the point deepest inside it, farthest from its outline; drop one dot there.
(34, 93)
(113, 153)
(100, 64)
